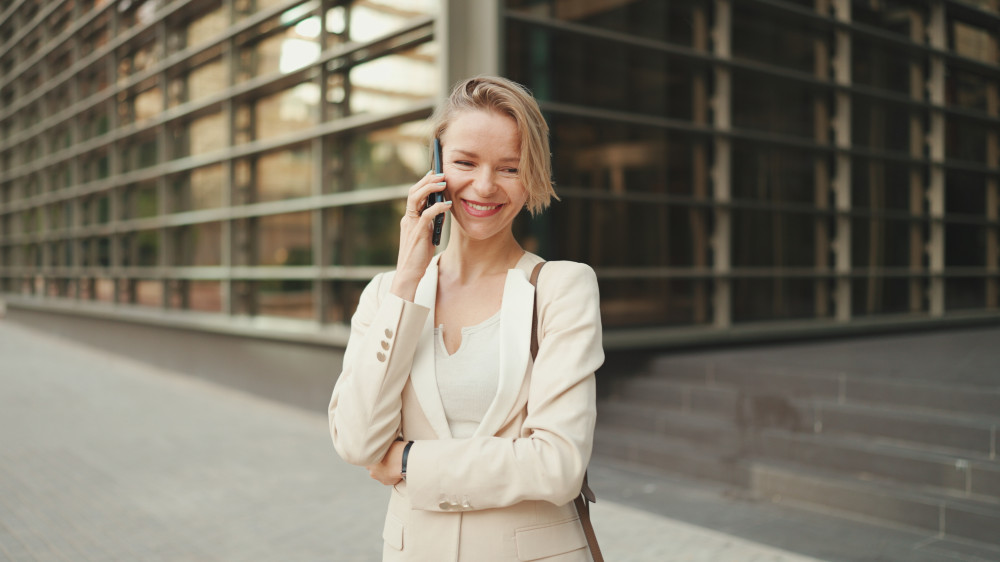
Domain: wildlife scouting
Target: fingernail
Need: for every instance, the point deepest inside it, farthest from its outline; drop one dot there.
(441, 184)
(440, 175)
(447, 202)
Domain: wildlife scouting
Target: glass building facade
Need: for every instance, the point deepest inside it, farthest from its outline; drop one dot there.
(726, 166)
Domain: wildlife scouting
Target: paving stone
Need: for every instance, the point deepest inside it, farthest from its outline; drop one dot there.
(106, 459)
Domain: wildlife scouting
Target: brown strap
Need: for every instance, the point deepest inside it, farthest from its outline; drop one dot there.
(534, 310)
(586, 496)
(583, 508)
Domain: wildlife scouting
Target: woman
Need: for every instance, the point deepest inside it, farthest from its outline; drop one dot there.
(438, 375)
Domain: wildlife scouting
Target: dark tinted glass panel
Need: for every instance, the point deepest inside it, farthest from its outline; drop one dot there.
(764, 238)
(880, 295)
(284, 239)
(654, 19)
(877, 242)
(365, 234)
(651, 302)
(964, 293)
(577, 69)
(772, 299)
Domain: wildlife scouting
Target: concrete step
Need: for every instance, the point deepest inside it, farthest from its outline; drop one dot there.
(899, 392)
(704, 430)
(949, 517)
(661, 452)
(684, 396)
(861, 458)
(970, 436)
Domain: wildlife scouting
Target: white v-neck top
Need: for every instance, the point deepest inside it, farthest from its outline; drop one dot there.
(468, 379)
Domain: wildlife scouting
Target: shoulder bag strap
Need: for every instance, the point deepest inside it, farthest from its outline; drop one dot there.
(586, 496)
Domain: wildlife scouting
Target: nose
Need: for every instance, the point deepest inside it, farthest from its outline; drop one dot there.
(485, 185)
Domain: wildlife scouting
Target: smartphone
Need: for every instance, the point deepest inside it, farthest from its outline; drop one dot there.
(437, 196)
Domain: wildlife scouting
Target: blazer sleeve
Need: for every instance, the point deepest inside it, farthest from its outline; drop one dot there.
(548, 460)
(365, 408)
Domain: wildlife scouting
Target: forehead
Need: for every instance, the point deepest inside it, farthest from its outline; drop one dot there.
(480, 130)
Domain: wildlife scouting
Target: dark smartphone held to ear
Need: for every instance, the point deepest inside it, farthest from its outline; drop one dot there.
(437, 197)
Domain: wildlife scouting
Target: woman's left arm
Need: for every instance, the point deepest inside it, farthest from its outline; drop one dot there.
(548, 461)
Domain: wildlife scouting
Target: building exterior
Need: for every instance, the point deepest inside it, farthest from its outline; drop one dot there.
(729, 167)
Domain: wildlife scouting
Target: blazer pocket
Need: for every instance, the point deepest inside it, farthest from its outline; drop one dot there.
(392, 533)
(542, 541)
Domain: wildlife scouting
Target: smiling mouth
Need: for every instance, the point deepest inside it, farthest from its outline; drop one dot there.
(479, 207)
(481, 210)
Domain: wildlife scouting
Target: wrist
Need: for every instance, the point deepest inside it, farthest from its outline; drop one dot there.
(406, 454)
(404, 286)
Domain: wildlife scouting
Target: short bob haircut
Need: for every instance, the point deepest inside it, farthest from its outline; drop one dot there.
(503, 96)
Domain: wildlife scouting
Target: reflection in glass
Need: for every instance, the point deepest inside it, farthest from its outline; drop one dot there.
(287, 111)
(364, 234)
(197, 244)
(382, 157)
(206, 134)
(289, 298)
(396, 81)
(344, 300)
(647, 302)
(104, 290)
(207, 26)
(141, 248)
(284, 175)
(148, 293)
(204, 296)
(207, 79)
(285, 50)
(369, 20)
(199, 189)
(284, 239)
(139, 202)
(148, 104)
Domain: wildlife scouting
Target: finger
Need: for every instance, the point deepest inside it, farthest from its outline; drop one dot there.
(417, 198)
(435, 210)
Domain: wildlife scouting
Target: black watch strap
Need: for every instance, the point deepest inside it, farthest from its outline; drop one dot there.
(406, 453)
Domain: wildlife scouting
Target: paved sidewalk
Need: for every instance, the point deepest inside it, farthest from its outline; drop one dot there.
(105, 458)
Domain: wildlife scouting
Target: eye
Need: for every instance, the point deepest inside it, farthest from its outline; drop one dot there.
(463, 163)
(509, 171)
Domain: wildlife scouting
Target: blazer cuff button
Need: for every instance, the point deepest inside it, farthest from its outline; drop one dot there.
(381, 356)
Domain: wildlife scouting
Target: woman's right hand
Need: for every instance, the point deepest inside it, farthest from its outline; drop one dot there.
(415, 228)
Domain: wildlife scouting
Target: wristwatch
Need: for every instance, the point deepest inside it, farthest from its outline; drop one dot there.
(406, 453)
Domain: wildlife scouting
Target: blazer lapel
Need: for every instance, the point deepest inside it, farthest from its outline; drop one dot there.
(515, 347)
(422, 376)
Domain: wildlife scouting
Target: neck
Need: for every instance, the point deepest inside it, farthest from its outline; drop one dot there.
(466, 260)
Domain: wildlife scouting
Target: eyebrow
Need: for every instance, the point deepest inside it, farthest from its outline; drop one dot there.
(474, 155)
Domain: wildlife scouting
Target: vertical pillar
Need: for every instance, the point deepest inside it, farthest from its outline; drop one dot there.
(917, 136)
(469, 35)
(821, 171)
(993, 187)
(842, 170)
(937, 38)
(699, 166)
(721, 167)
(321, 295)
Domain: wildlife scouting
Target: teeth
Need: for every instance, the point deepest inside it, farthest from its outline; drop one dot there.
(483, 207)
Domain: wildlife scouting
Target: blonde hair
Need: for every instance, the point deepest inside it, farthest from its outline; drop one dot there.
(506, 97)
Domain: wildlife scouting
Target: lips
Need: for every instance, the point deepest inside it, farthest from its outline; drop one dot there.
(478, 209)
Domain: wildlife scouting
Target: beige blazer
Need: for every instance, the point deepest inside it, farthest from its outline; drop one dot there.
(506, 493)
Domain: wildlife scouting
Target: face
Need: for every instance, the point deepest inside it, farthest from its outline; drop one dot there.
(481, 152)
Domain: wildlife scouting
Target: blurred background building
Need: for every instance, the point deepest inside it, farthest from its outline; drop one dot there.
(730, 168)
